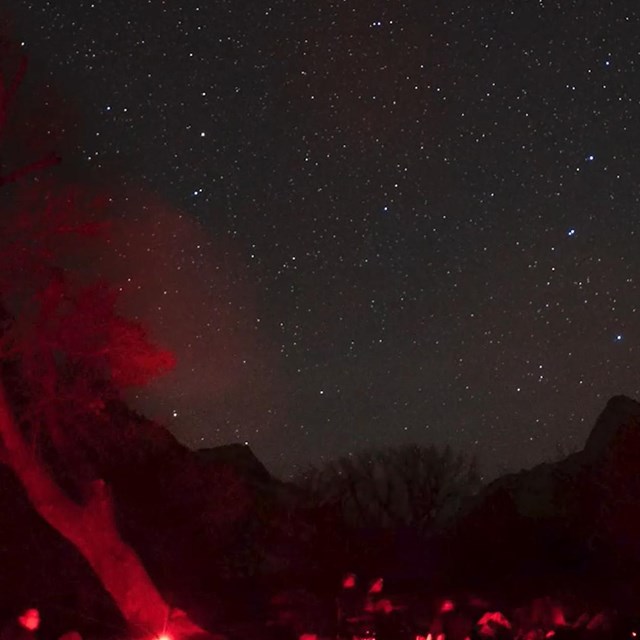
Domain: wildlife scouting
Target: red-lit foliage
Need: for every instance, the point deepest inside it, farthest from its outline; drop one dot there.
(349, 581)
(41, 223)
(69, 342)
(81, 330)
(66, 336)
(447, 605)
(376, 585)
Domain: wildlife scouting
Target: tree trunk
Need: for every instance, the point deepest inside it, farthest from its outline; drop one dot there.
(91, 528)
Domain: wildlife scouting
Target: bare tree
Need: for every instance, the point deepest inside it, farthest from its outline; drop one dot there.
(409, 486)
(63, 350)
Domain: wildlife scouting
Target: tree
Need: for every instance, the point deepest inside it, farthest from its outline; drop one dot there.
(64, 350)
(411, 486)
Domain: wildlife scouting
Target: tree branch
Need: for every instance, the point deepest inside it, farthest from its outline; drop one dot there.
(99, 506)
(45, 495)
(8, 92)
(50, 160)
(17, 80)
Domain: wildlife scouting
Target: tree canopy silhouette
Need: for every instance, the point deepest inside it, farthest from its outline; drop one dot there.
(410, 486)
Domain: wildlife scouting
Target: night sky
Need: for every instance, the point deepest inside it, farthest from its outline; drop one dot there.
(364, 222)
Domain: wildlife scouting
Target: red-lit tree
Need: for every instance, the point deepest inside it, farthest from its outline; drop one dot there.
(63, 350)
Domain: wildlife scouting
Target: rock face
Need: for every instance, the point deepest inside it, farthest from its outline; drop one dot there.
(619, 411)
(576, 520)
(241, 458)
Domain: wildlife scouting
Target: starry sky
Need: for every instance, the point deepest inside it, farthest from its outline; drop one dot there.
(363, 222)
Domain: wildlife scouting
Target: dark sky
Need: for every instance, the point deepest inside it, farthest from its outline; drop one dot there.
(362, 222)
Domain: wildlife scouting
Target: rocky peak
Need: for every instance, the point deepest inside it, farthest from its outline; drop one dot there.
(239, 457)
(618, 412)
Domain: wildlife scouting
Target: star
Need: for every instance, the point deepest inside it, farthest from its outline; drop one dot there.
(436, 186)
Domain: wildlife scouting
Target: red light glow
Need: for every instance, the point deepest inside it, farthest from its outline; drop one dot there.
(349, 581)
